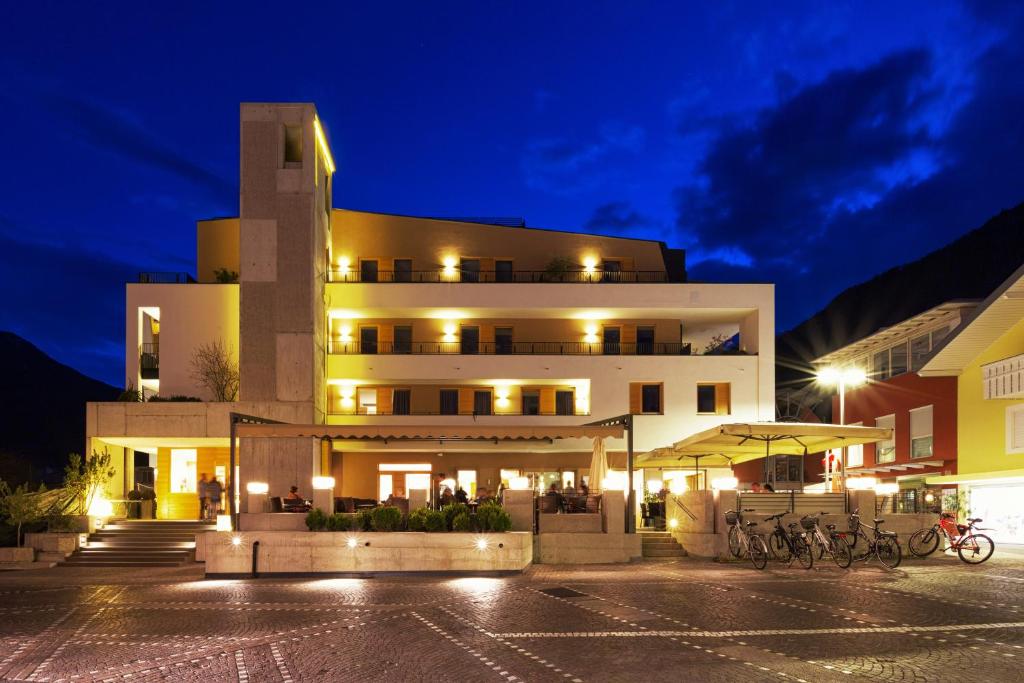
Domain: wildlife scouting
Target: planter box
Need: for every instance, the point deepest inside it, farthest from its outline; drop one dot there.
(284, 552)
(9, 555)
(57, 542)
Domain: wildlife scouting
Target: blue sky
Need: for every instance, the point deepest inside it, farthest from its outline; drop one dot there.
(804, 143)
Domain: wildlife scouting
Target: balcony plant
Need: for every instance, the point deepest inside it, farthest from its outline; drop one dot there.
(558, 269)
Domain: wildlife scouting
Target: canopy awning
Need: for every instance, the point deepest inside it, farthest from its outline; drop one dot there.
(731, 444)
(429, 432)
(993, 477)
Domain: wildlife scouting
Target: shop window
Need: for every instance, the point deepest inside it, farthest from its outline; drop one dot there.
(921, 432)
(183, 470)
(531, 402)
(714, 399)
(885, 451)
(565, 403)
(449, 401)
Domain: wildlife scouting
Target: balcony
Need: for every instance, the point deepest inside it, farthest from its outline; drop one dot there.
(1004, 378)
(498, 277)
(437, 413)
(518, 348)
(166, 279)
(149, 360)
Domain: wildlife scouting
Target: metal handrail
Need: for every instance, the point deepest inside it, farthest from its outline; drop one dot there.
(516, 348)
(166, 278)
(474, 415)
(494, 276)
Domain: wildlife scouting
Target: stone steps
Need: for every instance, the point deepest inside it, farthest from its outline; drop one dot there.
(139, 544)
(660, 544)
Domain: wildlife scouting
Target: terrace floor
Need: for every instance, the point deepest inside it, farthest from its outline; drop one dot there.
(934, 620)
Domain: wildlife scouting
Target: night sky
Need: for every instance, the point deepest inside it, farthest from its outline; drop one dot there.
(808, 144)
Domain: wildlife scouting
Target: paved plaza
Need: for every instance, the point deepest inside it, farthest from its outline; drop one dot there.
(934, 620)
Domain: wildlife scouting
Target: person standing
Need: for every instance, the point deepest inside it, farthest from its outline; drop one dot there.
(201, 489)
(214, 491)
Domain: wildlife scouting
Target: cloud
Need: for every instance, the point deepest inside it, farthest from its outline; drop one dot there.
(617, 217)
(564, 166)
(109, 130)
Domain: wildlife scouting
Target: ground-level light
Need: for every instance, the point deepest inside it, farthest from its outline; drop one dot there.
(223, 522)
(236, 541)
(673, 523)
(481, 544)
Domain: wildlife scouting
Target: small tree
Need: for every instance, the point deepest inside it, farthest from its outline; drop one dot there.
(84, 478)
(21, 506)
(213, 368)
(225, 276)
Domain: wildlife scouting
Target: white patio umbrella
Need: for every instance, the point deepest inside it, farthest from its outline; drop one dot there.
(598, 465)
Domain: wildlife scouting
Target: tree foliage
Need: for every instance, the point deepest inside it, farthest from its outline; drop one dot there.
(84, 478)
(21, 505)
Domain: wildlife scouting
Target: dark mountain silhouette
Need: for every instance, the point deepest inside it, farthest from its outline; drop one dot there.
(42, 411)
(970, 267)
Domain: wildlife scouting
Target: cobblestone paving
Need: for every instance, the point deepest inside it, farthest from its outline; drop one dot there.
(683, 620)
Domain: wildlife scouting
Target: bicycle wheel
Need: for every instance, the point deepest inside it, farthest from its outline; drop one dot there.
(841, 553)
(758, 552)
(924, 542)
(734, 542)
(976, 549)
(803, 552)
(851, 538)
(888, 551)
(779, 548)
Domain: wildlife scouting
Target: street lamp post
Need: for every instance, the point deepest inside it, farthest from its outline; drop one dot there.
(841, 378)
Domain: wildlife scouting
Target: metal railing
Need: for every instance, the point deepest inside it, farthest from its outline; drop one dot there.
(494, 276)
(149, 360)
(166, 278)
(391, 413)
(793, 501)
(517, 348)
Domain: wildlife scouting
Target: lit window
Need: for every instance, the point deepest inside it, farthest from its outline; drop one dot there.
(183, 470)
(885, 451)
(855, 454)
(921, 432)
(714, 399)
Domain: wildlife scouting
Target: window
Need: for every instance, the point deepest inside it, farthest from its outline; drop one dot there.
(919, 349)
(368, 271)
(855, 454)
(183, 470)
(469, 339)
(367, 401)
(449, 401)
(650, 398)
(400, 401)
(941, 333)
(612, 337)
(470, 268)
(612, 271)
(645, 341)
(327, 196)
(482, 402)
(921, 432)
(466, 479)
(403, 339)
(565, 403)
(898, 359)
(885, 451)
(503, 271)
(531, 402)
(293, 145)
(714, 399)
(367, 340)
(503, 340)
(1015, 428)
(789, 468)
(403, 270)
(880, 366)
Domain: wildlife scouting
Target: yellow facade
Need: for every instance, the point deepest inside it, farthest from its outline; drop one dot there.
(981, 423)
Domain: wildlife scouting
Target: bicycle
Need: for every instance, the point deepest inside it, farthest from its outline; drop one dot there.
(883, 545)
(832, 543)
(972, 548)
(741, 542)
(787, 546)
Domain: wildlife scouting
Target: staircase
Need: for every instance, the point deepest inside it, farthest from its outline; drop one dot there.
(660, 545)
(142, 543)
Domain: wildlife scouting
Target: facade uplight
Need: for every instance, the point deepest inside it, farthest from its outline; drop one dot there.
(257, 487)
(323, 483)
(591, 333)
(590, 264)
(449, 263)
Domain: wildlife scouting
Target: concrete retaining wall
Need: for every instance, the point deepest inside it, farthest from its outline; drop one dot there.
(272, 521)
(586, 548)
(328, 552)
(579, 523)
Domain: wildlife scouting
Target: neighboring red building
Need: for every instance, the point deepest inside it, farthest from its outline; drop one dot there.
(920, 410)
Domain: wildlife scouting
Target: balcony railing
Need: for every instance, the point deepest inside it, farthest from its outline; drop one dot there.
(516, 348)
(492, 277)
(166, 278)
(436, 413)
(149, 360)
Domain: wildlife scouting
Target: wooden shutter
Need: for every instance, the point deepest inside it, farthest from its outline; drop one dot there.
(486, 270)
(635, 398)
(547, 400)
(487, 337)
(629, 338)
(385, 337)
(384, 398)
(722, 398)
(466, 401)
(386, 270)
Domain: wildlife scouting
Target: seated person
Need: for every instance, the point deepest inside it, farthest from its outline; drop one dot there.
(461, 496)
(294, 502)
(293, 495)
(483, 495)
(446, 496)
(584, 489)
(768, 488)
(553, 491)
(756, 487)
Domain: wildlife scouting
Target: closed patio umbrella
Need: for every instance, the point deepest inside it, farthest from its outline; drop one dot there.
(598, 465)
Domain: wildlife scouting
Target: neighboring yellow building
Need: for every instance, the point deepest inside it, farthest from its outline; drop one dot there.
(986, 355)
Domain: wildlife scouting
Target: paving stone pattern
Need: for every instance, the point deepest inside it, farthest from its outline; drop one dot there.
(678, 620)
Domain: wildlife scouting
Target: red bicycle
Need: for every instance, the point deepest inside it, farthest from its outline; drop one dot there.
(971, 547)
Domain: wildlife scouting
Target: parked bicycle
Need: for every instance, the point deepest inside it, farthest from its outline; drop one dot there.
(741, 542)
(882, 545)
(789, 545)
(832, 542)
(971, 547)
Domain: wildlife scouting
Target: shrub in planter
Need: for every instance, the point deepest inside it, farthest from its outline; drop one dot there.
(435, 521)
(387, 518)
(451, 510)
(491, 517)
(418, 519)
(363, 521)
(461, 522)
(316, 520)
(339, 522)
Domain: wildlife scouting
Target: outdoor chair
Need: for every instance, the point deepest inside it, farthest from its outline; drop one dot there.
(594, 503)
(548, 504)
(276, 504)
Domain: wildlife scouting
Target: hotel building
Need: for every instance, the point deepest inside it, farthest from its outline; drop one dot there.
(387, 336)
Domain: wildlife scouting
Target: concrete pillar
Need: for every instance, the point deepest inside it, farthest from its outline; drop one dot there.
(417, 499)
(519, 506)
(323, 499)
(256, 502)
(613, 509)
(865, 500)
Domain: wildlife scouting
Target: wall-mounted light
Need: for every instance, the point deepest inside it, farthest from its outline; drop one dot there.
(224, 523)
(591, 333)
(519, 483)
(450, 328)
(725, 483)
(590, 264)
(323, 483)
(257, 487)
(449, 266)
(346, 333)
(673, 523)
(677, 485)
(481, 544)
(501, 396)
